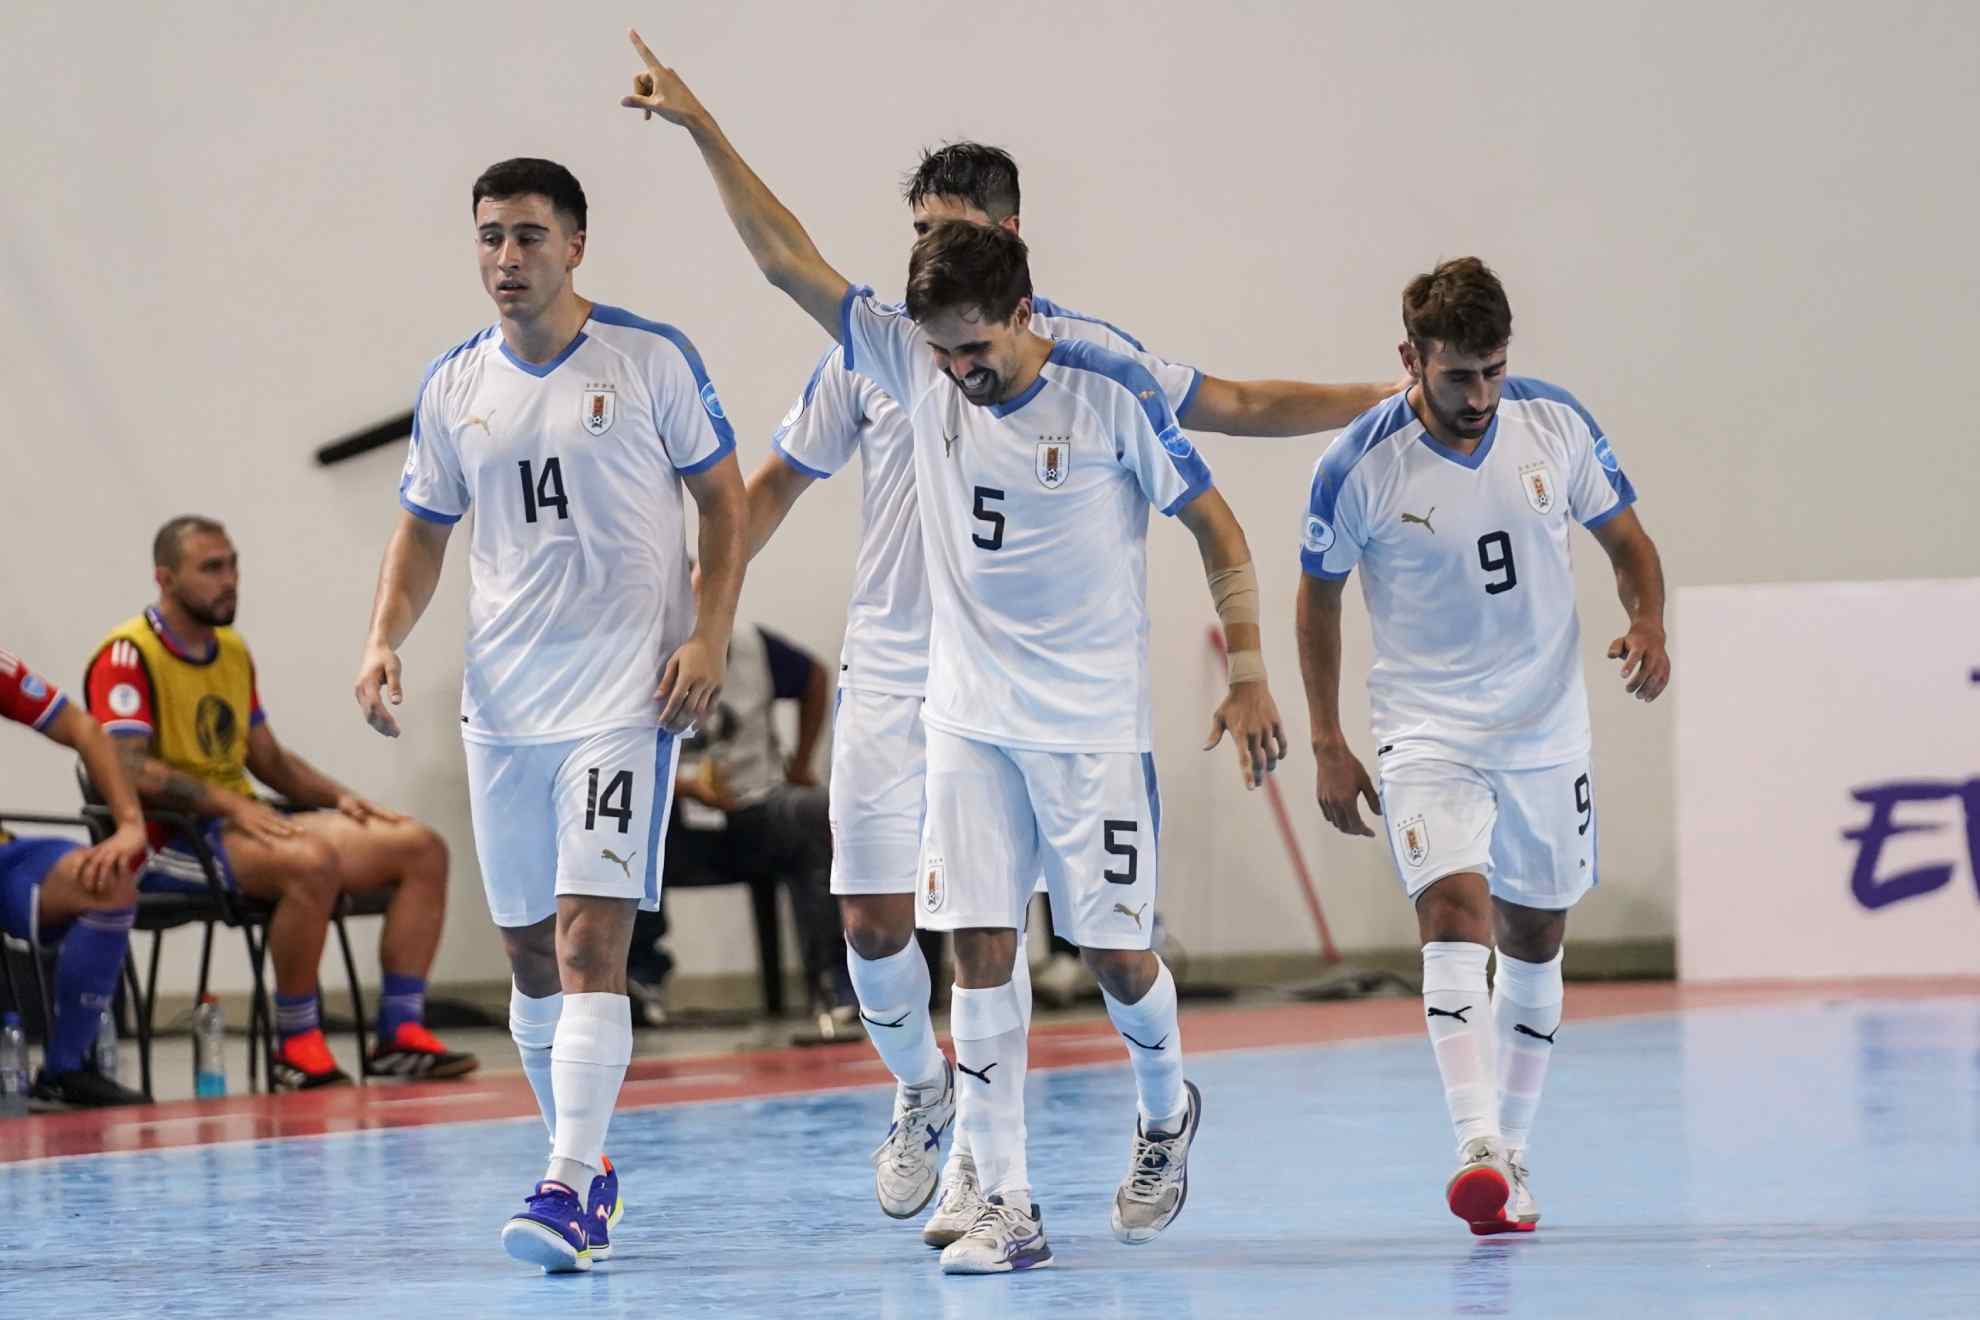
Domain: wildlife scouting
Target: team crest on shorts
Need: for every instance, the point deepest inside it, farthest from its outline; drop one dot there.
(1054, 461)
(1537, 480)
(934, 885)
(1415, 840)
(601, 408)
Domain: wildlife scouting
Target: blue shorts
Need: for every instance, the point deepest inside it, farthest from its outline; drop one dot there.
(175, 868)
(24, 864)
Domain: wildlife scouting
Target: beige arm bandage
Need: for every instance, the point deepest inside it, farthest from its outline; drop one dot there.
(1235, 592)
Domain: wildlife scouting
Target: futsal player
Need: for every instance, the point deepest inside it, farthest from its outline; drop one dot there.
(878, 752)
(1457, 500)
(570, 428)
(1035, 464)
(81, 901)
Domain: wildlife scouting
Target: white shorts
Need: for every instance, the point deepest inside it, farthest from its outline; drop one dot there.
(581, 817)
(998, 816)
(879, 779)
(1530, 833)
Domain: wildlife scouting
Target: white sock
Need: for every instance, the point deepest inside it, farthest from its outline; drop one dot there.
(1526, 1012)
(990, 1066)
(588, 1063)
(1021, 985)
(893, 998)
(1459, 1017)
(533, 1025)
(1154, 1045)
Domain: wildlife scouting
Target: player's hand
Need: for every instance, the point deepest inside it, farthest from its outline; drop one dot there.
(377, 683)
(660, 91)
(364, 811)
(1646, 669)
(1252, 718)
(1344, 782)
(690, 684)
(799, 774)
(114, 861)
(261, 822)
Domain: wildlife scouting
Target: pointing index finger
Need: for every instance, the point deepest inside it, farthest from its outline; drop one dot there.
(645, 52)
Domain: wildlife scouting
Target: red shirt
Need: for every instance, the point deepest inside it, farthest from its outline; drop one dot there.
(25, 696)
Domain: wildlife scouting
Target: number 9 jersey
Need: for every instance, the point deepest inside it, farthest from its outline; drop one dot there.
(1467, 575)
(578, 564)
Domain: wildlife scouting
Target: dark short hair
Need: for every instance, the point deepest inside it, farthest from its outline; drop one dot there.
(985, 177)
(168, 545)
(957, 264)
(526, 175)
(1461, 304)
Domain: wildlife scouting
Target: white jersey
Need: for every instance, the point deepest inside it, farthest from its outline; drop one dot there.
(578, 567)
(1466, 571)
(1034, 524)
(841, 413)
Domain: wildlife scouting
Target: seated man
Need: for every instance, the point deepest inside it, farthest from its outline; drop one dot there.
(79, 900)
(775, 810)
(175, 688)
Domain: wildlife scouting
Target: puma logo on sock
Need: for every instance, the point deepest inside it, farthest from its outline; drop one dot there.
(1127, 911)
(878, 1023)
(1458, 1014)
(1156, 1046)
(625, 863)
(983, 1076)
(1525, 1030)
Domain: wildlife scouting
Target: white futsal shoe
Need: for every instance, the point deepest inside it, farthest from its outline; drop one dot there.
(1003, 1238)
(1478, 1191)
(1521, 1213)
(908, 1164)
(962, 1201)
(1157, 1182)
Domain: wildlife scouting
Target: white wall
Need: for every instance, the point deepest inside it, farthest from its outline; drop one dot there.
(1740, 232)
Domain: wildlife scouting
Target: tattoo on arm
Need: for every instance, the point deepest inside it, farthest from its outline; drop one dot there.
(159, 785)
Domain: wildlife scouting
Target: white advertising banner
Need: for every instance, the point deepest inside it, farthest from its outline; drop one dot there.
(1828, 779)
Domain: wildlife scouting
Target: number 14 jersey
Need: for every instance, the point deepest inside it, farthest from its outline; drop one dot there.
(578, 566)
(1466, 571)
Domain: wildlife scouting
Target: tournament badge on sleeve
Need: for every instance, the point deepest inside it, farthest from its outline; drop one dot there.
(1537, 480)
(1414, 837)
(1054, 461)
(600, 408)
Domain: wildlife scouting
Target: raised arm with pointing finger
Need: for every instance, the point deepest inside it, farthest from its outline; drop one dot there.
(783, 251)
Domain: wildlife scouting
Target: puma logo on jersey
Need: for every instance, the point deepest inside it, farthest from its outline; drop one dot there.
(1424, 520)
(1127, 911)
(948, 443)
(482, 422)
(625, 863)
(1459, 1014)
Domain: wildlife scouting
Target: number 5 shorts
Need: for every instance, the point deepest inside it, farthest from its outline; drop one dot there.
(585, 816)
(1530, 833)
(999, 816)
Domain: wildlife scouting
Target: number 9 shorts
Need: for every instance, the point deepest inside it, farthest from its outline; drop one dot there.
(1530, 833)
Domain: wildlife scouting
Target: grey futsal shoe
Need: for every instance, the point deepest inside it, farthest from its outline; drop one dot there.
(962, 1201)
(1157, 1182)
(1003, 1238)
(908, 1164)
(1477, 1192)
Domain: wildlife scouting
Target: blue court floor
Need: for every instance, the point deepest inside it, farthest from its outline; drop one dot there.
(1812, 1160)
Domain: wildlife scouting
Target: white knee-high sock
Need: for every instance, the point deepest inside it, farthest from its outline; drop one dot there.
(588, 1065)
(893, 999)
(533, 1025)
(1021, 986)
(1154, 1045)
(1526, 1012)
(1458, 1016)
(990, 1067)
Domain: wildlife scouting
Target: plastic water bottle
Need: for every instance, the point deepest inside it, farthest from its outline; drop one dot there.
(13, 1067)
(209, 1048)
(106, 1046)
